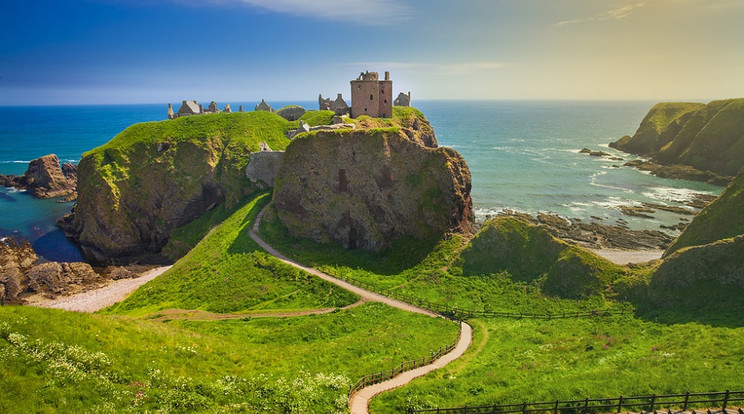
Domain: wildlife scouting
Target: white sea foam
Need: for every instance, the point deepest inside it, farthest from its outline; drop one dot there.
(14, 162)
(615, 202)
(677, 195)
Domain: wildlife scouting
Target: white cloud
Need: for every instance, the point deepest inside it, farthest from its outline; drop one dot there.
(612, 14)
(371, 13)
(460, 68)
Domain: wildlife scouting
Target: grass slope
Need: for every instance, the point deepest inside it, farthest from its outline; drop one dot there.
(228, 272)
(513, 361)
(246, 129)
(720, 219)
(531, 254)
(435, 272)
(505, 267)
(56, 361)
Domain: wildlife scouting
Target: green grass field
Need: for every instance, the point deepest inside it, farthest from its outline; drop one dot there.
(512, 361)
(145, 361)
(516, 361)
(228, 273)
(56, 361)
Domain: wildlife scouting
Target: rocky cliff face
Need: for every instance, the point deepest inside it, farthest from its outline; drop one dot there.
(44, 178)
(363, 188)
(157, 176)
(706, 137)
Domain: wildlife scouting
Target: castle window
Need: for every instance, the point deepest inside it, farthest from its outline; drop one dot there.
(385, 100)
(371, 97)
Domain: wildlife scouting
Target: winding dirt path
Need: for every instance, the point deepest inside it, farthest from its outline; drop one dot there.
(94, 300)
(359, 403)
(365, 294)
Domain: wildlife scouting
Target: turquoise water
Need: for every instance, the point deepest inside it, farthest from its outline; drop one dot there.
(522, 156)
(525, 156)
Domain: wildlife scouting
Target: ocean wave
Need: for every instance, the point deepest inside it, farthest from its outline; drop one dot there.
(671, 194)
(14, 162)
(615, 202)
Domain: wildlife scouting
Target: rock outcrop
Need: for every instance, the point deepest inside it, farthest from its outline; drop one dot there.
(21, 275)
(708, 138)
(263, 167)
(365, 187)
(44, 178)
(157, 176)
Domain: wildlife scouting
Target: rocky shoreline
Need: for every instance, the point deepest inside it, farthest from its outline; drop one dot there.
(596, 236)
(23, 276)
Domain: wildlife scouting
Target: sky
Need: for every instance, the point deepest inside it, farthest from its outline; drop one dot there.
(155, 51)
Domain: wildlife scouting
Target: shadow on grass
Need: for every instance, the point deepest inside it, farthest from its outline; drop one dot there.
(403, 253)
(713, 305)
(243, 242)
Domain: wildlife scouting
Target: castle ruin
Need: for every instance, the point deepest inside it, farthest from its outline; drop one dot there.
(189, 108)
(371, 96)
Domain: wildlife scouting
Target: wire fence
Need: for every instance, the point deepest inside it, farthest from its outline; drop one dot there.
(648, 403)
(381, 376)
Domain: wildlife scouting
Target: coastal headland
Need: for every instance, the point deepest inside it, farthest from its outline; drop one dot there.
(373, 202)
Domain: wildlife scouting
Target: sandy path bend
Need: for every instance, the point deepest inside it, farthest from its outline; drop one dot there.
(365, 294)
(94, 300)
(359, 403)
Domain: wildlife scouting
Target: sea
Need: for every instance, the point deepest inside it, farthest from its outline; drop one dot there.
(523, 156)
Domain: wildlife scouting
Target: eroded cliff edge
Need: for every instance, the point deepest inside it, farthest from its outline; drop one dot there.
(365, 187)
(690, 140)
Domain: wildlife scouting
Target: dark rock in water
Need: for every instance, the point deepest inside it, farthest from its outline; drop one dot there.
(636, 211)
(679, 171)
(44, 178)
(47, 180)
(598, 236)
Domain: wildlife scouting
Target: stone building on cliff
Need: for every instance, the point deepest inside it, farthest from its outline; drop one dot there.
(372, 96)
(339, 106)
(189, 108)
(403, 99)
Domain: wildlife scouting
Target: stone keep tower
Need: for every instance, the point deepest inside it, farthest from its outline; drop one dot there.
(372, 96)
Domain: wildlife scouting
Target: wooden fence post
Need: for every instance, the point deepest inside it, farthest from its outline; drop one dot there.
(725, 400)
(555, 409)
(653, 402)
(524, 408)
(687, 398)
(586, 406)
(620, 405)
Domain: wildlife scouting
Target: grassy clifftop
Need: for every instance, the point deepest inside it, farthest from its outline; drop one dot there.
(707, 137)
(157, 176)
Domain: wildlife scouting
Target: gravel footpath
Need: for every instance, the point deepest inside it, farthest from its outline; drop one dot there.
(94, 300)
